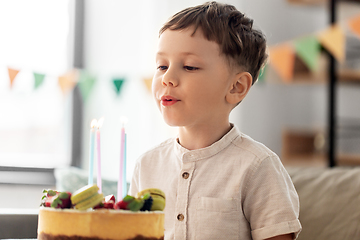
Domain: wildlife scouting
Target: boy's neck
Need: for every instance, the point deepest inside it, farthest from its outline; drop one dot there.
(193, 138)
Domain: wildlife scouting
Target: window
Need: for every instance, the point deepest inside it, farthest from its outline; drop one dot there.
(35, 121)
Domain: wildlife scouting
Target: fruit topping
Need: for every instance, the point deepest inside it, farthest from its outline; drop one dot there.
(136, 205)
(56, 199)
(84, 193)
(123, 204)
(130, 203)
(142, 203)
(148, 202)
(109, 198)
(87, 197)
(50, 192)
(158, 197)
(108, 202)
(151, 199)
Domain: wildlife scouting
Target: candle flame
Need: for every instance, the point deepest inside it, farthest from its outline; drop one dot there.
(100, 122)
(93, 123)
(123, 120)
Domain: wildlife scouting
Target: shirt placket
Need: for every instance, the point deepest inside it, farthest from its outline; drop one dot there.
(184, 184)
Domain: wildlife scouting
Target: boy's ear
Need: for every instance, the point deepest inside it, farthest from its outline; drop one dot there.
(239, 88)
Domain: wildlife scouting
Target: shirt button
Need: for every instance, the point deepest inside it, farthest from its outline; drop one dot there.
(180, 217)
(185, 175)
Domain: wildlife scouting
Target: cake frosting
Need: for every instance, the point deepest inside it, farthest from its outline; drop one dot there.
(56, 224)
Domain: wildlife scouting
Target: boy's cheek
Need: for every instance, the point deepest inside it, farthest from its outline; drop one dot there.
(156, 86)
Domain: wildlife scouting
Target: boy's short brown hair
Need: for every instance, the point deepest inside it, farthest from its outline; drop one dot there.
(228, 27)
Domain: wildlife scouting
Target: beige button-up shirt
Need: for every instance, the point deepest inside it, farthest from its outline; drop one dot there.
(234, 189)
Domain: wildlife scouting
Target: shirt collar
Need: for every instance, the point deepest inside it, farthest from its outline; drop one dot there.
(194, 155)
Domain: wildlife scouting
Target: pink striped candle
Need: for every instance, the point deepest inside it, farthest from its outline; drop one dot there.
(99, 183)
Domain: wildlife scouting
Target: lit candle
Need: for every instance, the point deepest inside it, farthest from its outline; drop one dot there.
(99, 124)
(91, 157)
(121, 182)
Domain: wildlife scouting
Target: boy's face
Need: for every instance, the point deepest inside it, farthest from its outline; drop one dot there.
(191, 80)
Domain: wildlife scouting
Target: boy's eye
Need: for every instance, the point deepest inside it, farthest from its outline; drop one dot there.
(162, 67)
(190, 68)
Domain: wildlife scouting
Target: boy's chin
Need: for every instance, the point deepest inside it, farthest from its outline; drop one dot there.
(172, 122)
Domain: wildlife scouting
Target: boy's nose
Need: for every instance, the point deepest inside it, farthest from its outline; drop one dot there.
(168, 83)
(169, 79)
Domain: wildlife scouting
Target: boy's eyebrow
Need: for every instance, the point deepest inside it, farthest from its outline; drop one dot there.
(183, 53)
(189, 53)
(160, 53)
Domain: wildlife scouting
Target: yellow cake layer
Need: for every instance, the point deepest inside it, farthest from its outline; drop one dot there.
(102, 223)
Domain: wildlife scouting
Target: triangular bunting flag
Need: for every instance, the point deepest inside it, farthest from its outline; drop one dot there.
(333, 39)
(68, 81)
(308, 50)
(118, 82)
(282, 58)
(148, 83)
(86, 83)
(39, 79)
(300, 67)
(12, 75)
(354, 24)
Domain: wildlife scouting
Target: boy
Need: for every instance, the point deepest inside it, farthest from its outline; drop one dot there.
(219, 183)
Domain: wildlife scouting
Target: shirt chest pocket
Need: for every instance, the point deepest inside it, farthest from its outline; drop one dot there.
(217, 218)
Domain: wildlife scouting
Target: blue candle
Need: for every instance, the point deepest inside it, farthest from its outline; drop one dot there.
(92, 148)
(122, 185)
(120, 192)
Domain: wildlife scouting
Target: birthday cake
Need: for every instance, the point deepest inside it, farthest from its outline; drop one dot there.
(87, 214)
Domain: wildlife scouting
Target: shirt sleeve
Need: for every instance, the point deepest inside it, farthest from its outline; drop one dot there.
(270, 201)
(134, 185)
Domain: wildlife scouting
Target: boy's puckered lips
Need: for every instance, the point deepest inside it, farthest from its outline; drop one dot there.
(168, 100)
